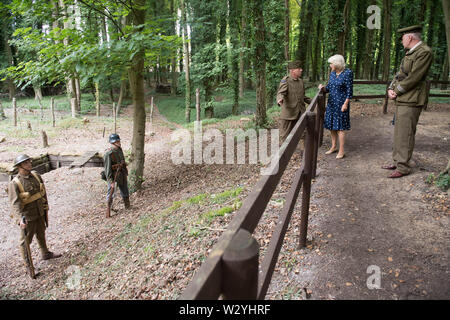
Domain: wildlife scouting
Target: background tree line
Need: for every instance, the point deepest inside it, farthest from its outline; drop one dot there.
(119, 47)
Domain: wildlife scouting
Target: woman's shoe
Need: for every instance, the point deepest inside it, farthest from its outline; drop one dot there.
(331, 151)
(340, 157)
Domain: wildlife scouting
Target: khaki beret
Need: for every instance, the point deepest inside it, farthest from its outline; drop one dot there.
(294, 64)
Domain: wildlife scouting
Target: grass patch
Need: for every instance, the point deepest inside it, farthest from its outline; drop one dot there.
(442, 181)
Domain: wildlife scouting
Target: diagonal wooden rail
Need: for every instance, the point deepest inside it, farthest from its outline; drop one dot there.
(232, 269)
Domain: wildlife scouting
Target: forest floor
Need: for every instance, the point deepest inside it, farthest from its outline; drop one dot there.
(358, 218)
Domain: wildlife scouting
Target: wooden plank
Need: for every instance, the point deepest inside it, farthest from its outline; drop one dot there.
(84, 158)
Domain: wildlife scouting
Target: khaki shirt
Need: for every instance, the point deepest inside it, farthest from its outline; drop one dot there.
(31, 211)
(409, 83)
(113, 157)
(292, 91)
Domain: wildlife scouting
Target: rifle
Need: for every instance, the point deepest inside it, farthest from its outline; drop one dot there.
(28, 258)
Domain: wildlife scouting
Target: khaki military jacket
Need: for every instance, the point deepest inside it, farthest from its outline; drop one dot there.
(111, 159)
(409, 83)
(31, 211)
(292, 91)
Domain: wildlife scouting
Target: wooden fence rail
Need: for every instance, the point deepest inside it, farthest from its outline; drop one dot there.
(232, 269)
(385, 96)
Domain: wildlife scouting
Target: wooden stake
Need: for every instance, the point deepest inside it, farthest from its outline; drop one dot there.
(14, 111)
(44, 139)
(197, 103)
(52, 110)
(73, 103)
(115, 117)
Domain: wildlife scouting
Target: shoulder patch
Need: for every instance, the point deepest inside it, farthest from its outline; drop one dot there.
(283, 80)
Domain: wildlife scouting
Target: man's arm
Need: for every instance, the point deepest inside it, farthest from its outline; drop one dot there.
(14, 200)
(282, 91)
(108, 167)
(419, 70)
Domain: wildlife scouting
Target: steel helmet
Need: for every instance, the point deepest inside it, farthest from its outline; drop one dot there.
(114, 137)
(20, 159)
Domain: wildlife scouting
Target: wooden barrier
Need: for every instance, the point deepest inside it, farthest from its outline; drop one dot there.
(232, 269)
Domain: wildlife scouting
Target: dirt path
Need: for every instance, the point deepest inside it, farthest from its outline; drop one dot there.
(358, 219)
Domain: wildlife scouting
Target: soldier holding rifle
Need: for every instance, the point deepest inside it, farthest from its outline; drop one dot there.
(116, 172)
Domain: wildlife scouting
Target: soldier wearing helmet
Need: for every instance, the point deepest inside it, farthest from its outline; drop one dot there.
(116, 172)
(29, 205)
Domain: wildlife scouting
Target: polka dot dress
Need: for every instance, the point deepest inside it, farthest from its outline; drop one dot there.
(340, 88)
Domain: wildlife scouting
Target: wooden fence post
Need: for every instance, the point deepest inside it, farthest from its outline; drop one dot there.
(428, 88)
(308, 160)
(318, 130)
(44, 139)
(115, 117)
(386, 100)
(52, 110)
(240, 267)
(73, 107)
(14, 102)
(197, 103)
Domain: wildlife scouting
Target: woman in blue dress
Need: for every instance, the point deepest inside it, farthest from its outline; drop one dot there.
(337, 113)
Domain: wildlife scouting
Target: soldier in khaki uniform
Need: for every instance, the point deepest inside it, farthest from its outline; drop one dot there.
(291, 98)
(408, 89)
(29, 206)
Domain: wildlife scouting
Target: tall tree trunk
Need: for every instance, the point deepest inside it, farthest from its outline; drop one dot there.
(187, 114)
(316, 61)
(136, 76)
(71, 86)
(243, 46)
(234, 35)
(286, 32)
(173, 60)
(445, 71)
(387, 7)
(343, 33)
(259, 61)
(446, 8)
(9, 57)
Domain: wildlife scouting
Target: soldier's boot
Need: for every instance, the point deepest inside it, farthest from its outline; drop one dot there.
(126, 201)
(108, 208)
(50, 255)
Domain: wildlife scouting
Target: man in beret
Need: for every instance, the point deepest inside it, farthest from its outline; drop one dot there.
(291, 98)
(408, 89)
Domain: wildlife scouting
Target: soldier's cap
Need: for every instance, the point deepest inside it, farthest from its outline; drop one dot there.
(294, 64)
(411, 29)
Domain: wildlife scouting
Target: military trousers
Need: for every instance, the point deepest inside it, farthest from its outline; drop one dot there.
(35, 227)
(123, 187)
(406, 118)
(285, 127)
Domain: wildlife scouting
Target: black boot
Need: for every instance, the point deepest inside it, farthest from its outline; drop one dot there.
(126, 201)
(108, 208)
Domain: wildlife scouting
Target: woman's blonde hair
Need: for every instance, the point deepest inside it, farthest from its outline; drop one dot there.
(338, 61)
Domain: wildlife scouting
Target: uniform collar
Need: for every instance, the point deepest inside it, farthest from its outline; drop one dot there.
(24, 176)
(413, 48)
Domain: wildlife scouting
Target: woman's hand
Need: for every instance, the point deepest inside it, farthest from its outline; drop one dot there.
(344, 106)
(321, 86)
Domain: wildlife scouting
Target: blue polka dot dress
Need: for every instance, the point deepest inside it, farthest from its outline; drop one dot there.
(340, 88)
